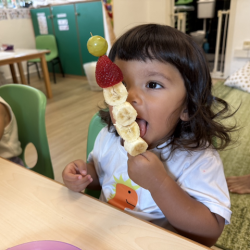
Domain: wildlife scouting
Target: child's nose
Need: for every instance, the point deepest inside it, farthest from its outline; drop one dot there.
(134, 96)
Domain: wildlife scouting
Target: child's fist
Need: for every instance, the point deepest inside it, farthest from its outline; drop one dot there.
(75, 176)
(146, 170)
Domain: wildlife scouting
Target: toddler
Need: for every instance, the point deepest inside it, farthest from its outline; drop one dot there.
(178, 183)
(10, 146)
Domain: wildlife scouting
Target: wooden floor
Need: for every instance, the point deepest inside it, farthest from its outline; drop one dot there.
(68, 115)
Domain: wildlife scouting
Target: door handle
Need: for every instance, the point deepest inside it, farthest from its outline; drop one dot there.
(77, 14)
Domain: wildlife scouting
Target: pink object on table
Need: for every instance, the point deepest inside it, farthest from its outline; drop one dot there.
(44, 245)
(7, 47)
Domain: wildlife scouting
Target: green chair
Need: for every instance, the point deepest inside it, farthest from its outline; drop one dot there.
(183, 2)
(46, 42)
(95, 127)
(28, 105)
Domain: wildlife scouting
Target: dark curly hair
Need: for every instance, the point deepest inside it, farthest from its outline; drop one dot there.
(166, 44)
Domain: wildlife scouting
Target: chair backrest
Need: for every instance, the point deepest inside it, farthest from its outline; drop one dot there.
(28, 105)
(95, 127)
(47, 42)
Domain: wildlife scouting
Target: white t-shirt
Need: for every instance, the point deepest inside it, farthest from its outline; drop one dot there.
(199, 173)
(10, 145)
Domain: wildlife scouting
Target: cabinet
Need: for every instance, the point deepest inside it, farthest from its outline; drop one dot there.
(71, 24)
(65, 30)
(89, 19)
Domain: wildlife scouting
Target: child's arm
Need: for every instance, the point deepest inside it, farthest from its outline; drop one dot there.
(4, 118)
(77, 175)
(188, 216)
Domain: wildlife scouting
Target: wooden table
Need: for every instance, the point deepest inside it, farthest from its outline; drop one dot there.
(19, 55)
(33, 207)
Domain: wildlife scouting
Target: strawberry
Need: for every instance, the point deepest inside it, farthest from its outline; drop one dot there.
(107, 73)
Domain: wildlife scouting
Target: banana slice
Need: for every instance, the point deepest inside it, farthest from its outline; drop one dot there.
(116, 94)
(128, 133)
(136, 147)
(124, 114)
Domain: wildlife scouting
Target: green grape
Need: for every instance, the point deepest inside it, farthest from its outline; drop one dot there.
(97, 46)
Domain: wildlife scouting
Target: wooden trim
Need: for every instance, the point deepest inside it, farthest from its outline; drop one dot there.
(74, 76)
(67, 3)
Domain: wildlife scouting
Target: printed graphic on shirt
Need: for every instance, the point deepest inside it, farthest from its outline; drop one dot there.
(124, 195)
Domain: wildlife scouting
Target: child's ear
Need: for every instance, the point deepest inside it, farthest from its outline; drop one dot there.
(184, 115)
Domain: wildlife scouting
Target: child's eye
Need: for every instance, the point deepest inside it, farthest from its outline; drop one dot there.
(154, 85)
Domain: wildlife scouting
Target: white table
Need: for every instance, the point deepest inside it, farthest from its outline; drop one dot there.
(34, 207)
(19, 55)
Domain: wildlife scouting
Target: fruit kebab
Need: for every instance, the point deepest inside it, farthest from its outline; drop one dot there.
(109, 77)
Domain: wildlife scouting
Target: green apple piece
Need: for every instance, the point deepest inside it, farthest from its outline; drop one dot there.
(97, 46)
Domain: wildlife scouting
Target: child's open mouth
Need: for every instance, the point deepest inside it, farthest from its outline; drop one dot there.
(143, 126)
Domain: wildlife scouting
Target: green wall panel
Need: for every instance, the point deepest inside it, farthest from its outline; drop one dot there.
(42, 12)
(67, 39)
(35, 13)
(71, 24)
(89, 19)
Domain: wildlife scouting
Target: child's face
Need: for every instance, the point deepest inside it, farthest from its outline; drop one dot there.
(156, 90)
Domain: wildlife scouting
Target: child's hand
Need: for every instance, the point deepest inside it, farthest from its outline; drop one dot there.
(146, 170)
(75, 176)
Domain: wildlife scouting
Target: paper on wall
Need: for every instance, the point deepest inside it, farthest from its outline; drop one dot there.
(62, 21)
(63, 24)
(63, 27)
(61, 15)
(42, 23)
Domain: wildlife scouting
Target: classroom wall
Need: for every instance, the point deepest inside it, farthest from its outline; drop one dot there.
(18, 32)
(129, 13)
(238, 31)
